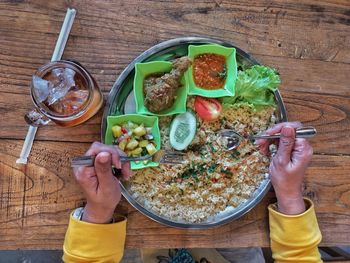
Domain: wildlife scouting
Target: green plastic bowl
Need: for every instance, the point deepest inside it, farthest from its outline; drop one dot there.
(142, 70)
(231, 71)
(148, 121)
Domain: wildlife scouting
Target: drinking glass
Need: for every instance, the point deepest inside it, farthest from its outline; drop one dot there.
(80, 102)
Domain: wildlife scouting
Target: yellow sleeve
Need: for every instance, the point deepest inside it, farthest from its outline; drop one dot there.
(86, 242)
(294, 238)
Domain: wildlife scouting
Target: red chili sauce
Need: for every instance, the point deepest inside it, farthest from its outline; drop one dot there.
(209, 71)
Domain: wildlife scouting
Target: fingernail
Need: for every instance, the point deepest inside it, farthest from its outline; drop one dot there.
(119, 164)
(258, 142)
(103, 157)
(287, 131)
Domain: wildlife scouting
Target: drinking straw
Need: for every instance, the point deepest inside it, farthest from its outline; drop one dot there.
(57, 54)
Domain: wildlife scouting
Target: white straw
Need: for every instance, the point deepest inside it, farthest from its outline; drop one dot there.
(64, 34)
(57, 54)
(27, 145)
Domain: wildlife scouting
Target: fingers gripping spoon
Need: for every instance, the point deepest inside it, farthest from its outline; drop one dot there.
(234, 139)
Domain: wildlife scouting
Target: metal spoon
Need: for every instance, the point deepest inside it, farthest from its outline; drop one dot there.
(234, 138)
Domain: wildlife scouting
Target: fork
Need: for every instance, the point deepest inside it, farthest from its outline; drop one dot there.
(161, 156)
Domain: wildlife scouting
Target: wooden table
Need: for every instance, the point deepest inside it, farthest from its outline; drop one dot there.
(307, 41)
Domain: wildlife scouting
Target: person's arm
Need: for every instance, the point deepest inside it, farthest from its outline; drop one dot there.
(94, 235)
(294, 231)
(88, 242)
(294, 238)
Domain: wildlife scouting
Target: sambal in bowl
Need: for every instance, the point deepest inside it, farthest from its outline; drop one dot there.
(213, 72)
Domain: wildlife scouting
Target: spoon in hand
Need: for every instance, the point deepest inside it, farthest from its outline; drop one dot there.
(233, 138)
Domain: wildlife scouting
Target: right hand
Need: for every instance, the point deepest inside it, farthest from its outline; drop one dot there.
(288, 167)
(100, 186)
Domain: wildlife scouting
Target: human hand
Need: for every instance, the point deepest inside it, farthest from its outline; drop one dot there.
(288, 166)
(100, 187)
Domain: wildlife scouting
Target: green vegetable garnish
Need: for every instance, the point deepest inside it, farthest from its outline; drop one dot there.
(235, 154)
(255, 86)
(227, 173)
(212, 168)
(223, 73)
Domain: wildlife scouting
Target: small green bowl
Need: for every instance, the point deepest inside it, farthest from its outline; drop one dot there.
(148, 121)
(231, 70)
(142, 70)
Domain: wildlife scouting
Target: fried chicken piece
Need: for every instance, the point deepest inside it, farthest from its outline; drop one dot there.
(160, 93)
(180, 65)
(160, 97)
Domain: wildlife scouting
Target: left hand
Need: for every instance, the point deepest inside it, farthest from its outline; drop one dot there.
(100, 186)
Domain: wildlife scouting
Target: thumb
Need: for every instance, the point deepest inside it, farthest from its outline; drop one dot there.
(286, 145)
(103, 167)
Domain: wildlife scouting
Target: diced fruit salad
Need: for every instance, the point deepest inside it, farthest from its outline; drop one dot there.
(134, 139)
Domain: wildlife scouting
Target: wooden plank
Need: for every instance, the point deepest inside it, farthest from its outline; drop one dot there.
(323, 112)
(35, 201)
(306, 75)
(291, 28)
(108, 35)
(307, 41)
(327, 112)
(13, 107)
(310, 75)
(28, 34)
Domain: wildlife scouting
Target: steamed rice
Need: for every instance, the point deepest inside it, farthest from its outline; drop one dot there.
(212, 178)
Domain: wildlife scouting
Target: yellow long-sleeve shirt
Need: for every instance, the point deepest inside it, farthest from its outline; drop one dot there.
(293, 239)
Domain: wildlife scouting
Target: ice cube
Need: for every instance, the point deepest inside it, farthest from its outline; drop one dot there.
(41, 88)
(71, 103)
(57, 72)
(69, 73)
(56, 76)
(62, 82)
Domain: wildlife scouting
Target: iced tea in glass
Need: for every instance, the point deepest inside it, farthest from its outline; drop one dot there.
(63, 92)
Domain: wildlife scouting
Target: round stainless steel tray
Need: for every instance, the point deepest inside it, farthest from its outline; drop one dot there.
(120, 101)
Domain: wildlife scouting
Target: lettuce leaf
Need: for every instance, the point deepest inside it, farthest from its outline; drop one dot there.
(255, 86)
(243, 64)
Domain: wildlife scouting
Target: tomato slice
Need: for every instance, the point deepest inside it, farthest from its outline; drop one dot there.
(207, 109)
(124, 131)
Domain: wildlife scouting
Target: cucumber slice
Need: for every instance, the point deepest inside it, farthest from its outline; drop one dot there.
(182, 130)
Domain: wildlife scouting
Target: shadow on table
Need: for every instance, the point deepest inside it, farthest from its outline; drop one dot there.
(329, 254)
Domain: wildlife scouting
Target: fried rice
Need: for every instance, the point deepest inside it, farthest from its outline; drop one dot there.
(211, 178)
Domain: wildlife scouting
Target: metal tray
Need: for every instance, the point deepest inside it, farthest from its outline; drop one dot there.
(120, 101)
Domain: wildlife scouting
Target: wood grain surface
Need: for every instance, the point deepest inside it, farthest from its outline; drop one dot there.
(307, 41)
